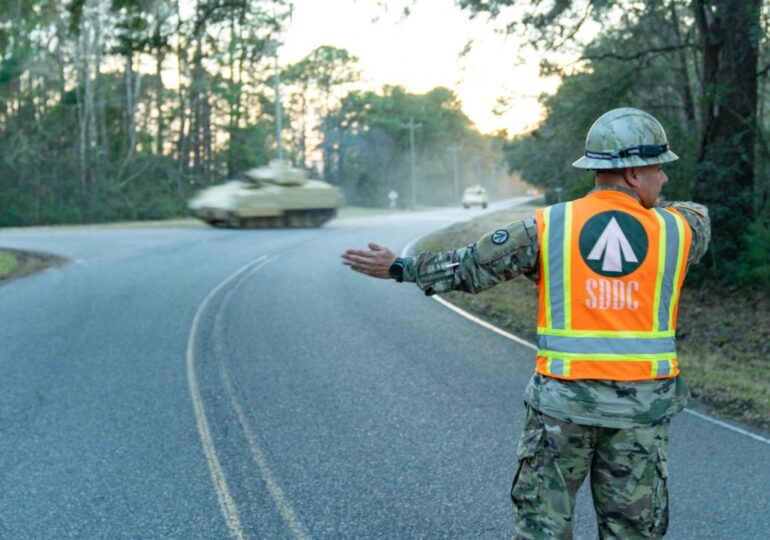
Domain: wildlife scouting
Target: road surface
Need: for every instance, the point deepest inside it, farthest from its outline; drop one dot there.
(208, 383)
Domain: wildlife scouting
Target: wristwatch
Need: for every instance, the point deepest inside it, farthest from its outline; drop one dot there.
(396, 270)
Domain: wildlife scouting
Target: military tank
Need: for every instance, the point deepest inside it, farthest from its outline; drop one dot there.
(276, 195)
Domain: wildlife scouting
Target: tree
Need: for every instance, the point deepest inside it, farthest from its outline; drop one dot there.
(723, 36)
(316, 79)
(371, 147)
(89, 131)
(729, 34)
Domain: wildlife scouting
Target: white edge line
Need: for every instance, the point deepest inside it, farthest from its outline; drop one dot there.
(408, 248)
(226, 502)
(484, 323)
(725, 425)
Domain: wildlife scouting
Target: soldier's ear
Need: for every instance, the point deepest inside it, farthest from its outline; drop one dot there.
(629, 175)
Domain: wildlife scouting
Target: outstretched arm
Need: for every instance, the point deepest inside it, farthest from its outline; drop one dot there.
(373, 262)
(499, 256)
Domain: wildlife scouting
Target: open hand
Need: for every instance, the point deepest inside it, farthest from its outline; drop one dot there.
(374, 262)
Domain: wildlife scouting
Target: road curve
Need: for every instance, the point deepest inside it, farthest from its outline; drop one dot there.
(180, 383)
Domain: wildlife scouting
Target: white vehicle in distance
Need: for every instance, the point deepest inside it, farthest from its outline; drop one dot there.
(475, 195)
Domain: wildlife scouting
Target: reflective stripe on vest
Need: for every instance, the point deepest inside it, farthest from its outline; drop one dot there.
(669, 273)
(603, 351)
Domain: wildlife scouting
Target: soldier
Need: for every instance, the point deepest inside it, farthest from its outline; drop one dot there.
(609, 268)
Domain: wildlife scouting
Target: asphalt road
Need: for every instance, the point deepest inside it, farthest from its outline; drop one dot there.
(204, 383)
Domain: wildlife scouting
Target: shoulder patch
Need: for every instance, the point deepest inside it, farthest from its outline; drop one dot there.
(506, 241)
(500, 236)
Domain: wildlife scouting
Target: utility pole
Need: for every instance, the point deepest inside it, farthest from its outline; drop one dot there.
(412, 126)
(454, 149)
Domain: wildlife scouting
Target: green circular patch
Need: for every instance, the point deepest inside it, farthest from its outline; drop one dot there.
(613, 243)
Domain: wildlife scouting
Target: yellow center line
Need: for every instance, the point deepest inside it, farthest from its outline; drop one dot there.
(226, 502)
(284, 507)
(280, 499)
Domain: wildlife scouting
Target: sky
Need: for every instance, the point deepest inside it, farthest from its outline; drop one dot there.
(421, 52)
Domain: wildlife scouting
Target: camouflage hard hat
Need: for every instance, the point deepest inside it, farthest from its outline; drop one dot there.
(625, 137)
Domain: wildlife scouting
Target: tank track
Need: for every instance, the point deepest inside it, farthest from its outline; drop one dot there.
(292, 219)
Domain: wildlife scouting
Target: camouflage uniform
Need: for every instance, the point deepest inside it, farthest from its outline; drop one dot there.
(615, 429)
(628, 478)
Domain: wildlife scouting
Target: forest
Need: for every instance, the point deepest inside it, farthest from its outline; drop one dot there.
(121, 109)
(700, 67)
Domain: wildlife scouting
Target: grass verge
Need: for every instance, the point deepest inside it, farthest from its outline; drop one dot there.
(8, 263)
(723, 337)
(16, 263)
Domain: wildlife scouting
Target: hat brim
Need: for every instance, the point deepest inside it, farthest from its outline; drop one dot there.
(622, 163)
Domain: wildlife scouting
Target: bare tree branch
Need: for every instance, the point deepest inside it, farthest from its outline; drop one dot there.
(636, 56)
(577, 27)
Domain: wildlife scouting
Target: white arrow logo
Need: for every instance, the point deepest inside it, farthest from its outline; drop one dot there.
(610, 245)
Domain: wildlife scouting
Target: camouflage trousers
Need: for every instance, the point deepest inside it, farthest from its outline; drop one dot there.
(628, 471)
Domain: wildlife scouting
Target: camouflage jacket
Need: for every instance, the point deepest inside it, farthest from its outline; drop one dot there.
(485, 264)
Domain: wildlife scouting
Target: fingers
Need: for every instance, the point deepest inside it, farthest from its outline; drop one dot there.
(359, 258)
(365, 265)
(381, 250)
(375, 261)
(374, 252)
(356, 258)
(358, 252)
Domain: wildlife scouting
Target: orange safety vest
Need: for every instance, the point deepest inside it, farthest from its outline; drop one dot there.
(610, 275)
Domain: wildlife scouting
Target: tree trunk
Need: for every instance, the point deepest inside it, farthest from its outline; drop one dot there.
(234, 111)
(130, 108)
(303, 127)
(182, 140)
(683, 74)
(159, 134)
(196, 110)
(97, 126)
(729, 33)
(87, 45)
(208, 151)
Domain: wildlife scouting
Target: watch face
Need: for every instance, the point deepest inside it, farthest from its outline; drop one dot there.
(397, 269)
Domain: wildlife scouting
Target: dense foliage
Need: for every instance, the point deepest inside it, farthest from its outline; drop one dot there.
(700, 66)
(117, 110)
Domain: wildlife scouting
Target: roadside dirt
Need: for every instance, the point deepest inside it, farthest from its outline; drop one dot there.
(30, 262)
